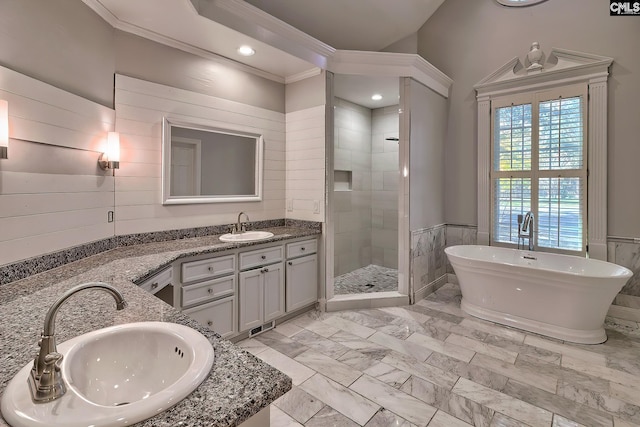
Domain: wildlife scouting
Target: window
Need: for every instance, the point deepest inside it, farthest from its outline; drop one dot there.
(539, 165)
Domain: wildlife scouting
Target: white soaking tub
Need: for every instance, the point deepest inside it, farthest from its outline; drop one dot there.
(561, 296)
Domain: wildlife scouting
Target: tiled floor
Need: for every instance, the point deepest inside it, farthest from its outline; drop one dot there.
(431, 364)
(372, 278)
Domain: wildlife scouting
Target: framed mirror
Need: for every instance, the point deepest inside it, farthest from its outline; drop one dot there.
(206, 164)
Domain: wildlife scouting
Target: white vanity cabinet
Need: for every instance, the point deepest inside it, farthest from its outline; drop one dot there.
(261, 287)
(302, 274)
(208, 293)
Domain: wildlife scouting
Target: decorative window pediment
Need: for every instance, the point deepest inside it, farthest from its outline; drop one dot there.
(535, 73)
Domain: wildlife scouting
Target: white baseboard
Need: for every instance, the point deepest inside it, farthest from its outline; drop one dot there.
(363, 301)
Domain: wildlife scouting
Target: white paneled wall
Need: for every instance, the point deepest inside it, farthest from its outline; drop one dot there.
(305, 168)
(48, 203)
(140, 108)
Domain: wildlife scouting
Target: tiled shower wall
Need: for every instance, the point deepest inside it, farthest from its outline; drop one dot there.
(352, 207)
(384, 186)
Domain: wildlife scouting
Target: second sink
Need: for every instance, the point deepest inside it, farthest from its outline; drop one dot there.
(246, 236)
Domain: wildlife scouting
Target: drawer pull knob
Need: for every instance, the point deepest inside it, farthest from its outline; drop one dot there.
(210, 290)
(290, 263)
(266, 270)
(210, 323)
(263, 257)
(154, 285)
(302, 248)
(210, 268)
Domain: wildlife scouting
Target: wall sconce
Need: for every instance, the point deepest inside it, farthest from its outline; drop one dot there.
(4, 129)
(110, 159)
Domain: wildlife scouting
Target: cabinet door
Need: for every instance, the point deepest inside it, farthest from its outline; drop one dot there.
(302, 282)
(219, 316)
(251, 297)
(273, 276)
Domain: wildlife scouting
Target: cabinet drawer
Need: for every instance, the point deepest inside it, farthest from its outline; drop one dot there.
(157, 282)
(208, 268)
(219, 316)
(204, 291)
(305, 247)
(260, 257)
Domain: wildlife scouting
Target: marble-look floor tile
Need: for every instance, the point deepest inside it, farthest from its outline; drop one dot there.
(281, 343)
(483, 348)
(524, 349)
(501, 420)
(424, 308)
(299, 405)
(493, 329)
(384, 418)
(329, 417)
(558, 404)
(361, 317)
(443, 307)
(346, 401)
(349, 326)
(411, 409)
(626, 394)
(278, 418)
(499, 402)
(388, 374)
(297, 371)
(357, 360)
(560, 421)
(252, 346)
(447, 328)
(443, 399)
(473, 373)
(448, 349)
(566, 350)
(422, 370)
(288, 329)
(442, 419)
(416, 351)
(330, 368)
(315, 326)
(624, 363)
(320, 344)
(617, 422)
(529, 376)
(600, 401)
(368, 348)
(613, 375)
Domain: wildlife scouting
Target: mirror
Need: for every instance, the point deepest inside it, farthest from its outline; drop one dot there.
(205, 164)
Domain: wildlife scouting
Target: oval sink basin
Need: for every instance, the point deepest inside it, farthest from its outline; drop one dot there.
(247, 236)
(116, 376)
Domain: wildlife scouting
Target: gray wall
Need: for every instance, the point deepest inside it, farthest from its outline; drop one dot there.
(426, 171)
(62, 42)
(306, 93)
(147, 60)
(468, 40)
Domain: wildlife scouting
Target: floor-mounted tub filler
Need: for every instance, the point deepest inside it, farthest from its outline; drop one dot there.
(560, 296)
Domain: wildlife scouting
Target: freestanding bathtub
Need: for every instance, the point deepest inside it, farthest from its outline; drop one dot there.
(561, 296)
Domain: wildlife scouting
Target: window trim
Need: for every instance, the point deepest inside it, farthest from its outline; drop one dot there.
(571, 67)
(535, 98)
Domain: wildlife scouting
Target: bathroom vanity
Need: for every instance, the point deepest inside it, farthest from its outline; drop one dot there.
(240, 387)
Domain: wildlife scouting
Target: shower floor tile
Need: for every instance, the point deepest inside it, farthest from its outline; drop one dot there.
(372, 278)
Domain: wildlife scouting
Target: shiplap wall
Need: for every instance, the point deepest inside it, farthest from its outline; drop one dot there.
(46, 205)
(305, 164)
(140, 107)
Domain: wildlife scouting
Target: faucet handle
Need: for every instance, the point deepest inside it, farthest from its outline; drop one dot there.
(51, 374)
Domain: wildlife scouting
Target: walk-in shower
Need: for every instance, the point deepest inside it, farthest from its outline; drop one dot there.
(365, 184)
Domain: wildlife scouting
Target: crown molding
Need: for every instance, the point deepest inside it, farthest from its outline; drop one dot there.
(167, 41)
(254, 22)
(562, 67)
(303, 75)
(392, 65)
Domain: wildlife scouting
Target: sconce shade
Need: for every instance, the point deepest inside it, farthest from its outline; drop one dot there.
(110, 159)
(4, 129)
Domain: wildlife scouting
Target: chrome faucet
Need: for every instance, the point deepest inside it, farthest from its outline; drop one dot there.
(45, 381)
(525, 228)
(240, 227)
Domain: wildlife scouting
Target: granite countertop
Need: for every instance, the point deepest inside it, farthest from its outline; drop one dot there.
(239, 386)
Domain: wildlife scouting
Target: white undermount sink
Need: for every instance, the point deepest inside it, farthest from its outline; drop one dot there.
(246, 236)
(116, 376)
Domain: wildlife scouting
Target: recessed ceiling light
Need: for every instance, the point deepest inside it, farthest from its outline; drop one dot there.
(246, 50)
(376, 97)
